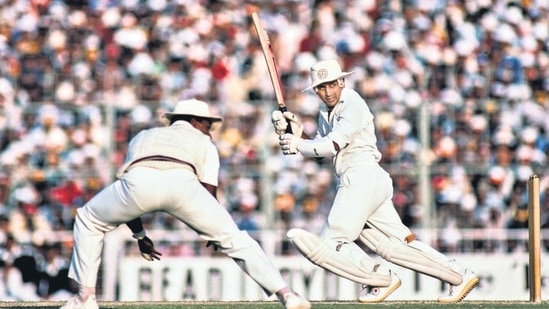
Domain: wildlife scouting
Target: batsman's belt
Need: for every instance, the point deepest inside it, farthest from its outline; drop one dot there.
(161, 162)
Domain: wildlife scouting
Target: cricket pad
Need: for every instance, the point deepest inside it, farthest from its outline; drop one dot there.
(316, 250)
(407, 256)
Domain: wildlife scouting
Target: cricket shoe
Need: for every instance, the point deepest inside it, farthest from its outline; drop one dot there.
(295, 301)
(378, 294)
(76, 303)
(458, 292)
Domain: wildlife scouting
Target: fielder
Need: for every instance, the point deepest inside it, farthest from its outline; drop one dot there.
(172, 169)
(362, 209)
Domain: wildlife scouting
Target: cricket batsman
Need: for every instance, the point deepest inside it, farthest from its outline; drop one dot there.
(362, 208)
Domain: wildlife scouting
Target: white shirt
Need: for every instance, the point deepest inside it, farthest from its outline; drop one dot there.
(180, 141)
(351, 125)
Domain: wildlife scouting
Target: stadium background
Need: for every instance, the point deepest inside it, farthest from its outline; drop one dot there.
(459, 90)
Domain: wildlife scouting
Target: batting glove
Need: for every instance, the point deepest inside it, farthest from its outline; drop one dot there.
(295, 123)
(148, 252)
(282, 120)
(279, 122)
(288, 143)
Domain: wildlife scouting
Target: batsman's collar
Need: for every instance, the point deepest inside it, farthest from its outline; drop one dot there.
(193, 107)
(326, 71)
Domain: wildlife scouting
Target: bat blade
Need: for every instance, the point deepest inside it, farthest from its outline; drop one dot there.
(271, 64)
(270, 60)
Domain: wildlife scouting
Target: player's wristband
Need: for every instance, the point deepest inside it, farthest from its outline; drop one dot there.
(140, 235)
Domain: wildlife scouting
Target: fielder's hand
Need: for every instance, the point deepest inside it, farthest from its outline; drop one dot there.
(148, 252)
(288, 143)
(282, 120)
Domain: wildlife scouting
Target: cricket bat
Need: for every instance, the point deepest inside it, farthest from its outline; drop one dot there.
(271, 63)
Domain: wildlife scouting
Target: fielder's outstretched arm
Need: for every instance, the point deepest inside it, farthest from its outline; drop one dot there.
(136, 226)
(146, 245)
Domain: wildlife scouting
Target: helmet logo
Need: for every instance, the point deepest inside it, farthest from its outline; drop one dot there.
(322, 73)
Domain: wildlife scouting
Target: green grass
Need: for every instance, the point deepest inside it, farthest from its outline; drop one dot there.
(275, 305)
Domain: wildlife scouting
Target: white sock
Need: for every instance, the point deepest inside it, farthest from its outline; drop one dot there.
(85, 292)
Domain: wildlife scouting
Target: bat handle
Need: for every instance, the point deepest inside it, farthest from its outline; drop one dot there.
(283, 109)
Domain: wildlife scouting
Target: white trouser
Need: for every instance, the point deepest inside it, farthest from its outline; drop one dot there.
(368, 203)
(364, 197)
(176, 191)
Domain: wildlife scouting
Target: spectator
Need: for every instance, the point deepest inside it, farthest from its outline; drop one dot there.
(22, 275)
(23, 278)
(4, 295)
(27, 224)
(55, 285)
(247, 219)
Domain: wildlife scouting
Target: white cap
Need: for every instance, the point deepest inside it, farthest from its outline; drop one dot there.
(193, 107)
(326, 71)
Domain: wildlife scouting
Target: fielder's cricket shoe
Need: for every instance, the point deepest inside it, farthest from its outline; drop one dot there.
(295, 301)
(378, 294)
(77, 303)
(458, 292)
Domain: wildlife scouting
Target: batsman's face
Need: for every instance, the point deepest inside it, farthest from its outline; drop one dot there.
(330, 92)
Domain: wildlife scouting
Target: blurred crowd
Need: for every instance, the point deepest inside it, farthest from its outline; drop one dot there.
(458, 87)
